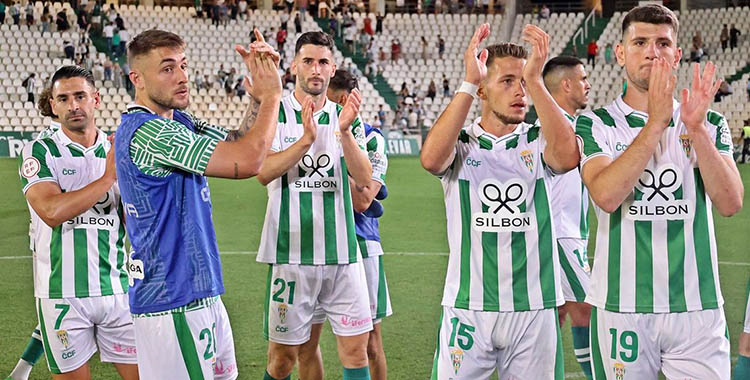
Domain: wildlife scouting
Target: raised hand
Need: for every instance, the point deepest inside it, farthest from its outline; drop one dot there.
(308, 123)
(539, 41)
(350, 110)
(695, 102)
(476, 63)
(262, 62)
(660, 92)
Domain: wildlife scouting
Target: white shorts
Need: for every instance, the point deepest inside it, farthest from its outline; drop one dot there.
(377, 288)
(294, 292)
(191, 342)
(576, 278)
(518, 345)
(73, 328)
(689, 345)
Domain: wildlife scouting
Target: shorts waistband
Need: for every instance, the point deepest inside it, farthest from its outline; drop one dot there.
(200, 303)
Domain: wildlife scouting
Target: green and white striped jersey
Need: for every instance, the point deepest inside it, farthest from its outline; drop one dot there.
(310, 217)
(379, 160)
(53, 127)
(657, 252)
(503, 254)
(84, 256)
(570, 202)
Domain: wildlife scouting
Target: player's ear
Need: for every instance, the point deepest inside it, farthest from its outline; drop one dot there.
(481, 91)
(677, 58)
(620, 54)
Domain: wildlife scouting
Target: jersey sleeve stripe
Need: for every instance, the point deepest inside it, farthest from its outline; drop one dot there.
(584, 126)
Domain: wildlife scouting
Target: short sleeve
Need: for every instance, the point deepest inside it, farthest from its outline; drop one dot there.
(378, 158)
(591, 135)
(718, 127)
(35, 163)
(159, 146)
(207, 129)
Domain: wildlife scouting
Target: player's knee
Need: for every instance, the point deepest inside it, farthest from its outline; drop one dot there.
(354, 356)
(281, 362)
(373, 349)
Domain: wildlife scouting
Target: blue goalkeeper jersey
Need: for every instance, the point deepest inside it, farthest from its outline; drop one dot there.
(168, 220)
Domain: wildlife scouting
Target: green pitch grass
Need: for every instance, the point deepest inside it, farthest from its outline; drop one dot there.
(413, 232)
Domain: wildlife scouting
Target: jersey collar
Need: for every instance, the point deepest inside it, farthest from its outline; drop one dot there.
(298, 107)
(134, 108)
(634, 117)
(64, 140)
(476, 131)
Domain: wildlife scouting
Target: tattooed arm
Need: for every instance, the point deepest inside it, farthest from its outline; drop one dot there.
(247, 122)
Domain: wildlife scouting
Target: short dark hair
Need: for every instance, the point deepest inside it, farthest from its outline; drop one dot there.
(67, 72)
(560, 62)
(152, 39)
(45, 109)
(314, 38)
(505, 49)
(651, 14)
(343, 80)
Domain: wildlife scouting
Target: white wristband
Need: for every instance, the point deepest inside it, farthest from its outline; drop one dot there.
(468, 88)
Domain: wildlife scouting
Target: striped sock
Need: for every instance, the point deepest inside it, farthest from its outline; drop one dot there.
(266, 376)
(742, 370)
(362, 373)
(582, 350)
(34, 351)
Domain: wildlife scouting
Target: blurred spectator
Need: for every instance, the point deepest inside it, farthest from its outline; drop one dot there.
(381, 115)
(413, 118)
(698, 41)
(379, 23)
(432, 90)
(723, 91)
(2, 13)
(381, 54)
(119, 22)
(69, 49)
(221, 75)
(233, 9)
(98, 71)
(62, 22)
(302, 8)
(395, 49)
(544, 13)
(324, 11)
(592, 50)
(83, 20)
(446, 89)
(30, 13)
(724, 37)
(281, 40)
(609, 54)
(350, 31)
(124, 39)
(441, 46)
(15, 13)
(239, 88)
(367, 28)
(198, 81)
(242, 9)
(111, 13)
(284, 19)
(733, 34)
(108, 32)
(748, 90)
(45, 19)
(30, 84)
(207, 84)
(424, 48)
(116, 43)
(297, 24)
(117, 76)
(125, 68)
(107, 69)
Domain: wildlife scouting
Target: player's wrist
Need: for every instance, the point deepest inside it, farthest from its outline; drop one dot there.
(468, 88)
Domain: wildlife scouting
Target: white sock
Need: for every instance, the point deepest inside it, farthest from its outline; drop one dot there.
(22, 370)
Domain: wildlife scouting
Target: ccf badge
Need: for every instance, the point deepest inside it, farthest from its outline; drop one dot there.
(457, 356)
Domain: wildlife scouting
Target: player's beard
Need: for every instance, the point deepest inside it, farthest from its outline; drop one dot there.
(641, 83)
(314, 91)
(78, 125)
(507, 119)
(167, 102)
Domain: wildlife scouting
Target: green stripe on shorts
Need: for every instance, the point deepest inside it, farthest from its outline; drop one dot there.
(267, 301)
(598, 365)
(570, 274)
(434, 375)
(50, 358)
(382, 308)
(187, 346)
